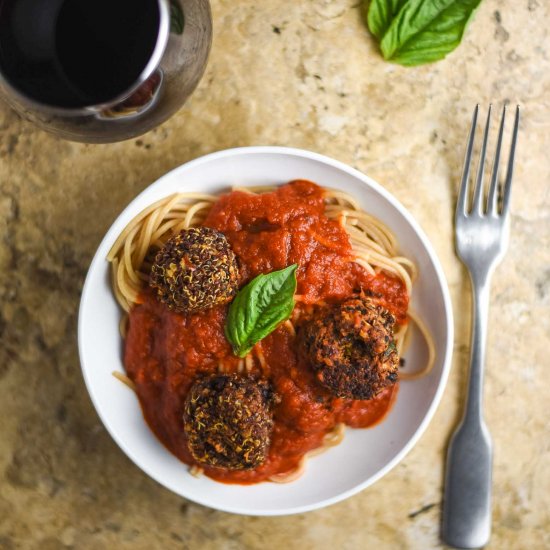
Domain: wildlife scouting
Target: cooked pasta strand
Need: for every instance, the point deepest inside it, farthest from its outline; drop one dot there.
(124, 379)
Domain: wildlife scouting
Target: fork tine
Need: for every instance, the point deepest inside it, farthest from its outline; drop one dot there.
(478, 189)
(463, 191)
(510, 171)
(492, 199)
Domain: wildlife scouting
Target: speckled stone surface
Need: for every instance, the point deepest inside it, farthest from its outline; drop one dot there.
(305, 74)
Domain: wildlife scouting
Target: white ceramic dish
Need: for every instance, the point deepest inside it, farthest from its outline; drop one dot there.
(365, 455)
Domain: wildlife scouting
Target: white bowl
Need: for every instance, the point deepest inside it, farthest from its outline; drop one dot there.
(365, 455)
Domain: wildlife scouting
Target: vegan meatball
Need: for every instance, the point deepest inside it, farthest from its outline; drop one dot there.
(228, 421)
(196, 269)
(351, 348)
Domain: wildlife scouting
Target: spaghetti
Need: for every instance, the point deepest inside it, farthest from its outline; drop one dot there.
(374, 249)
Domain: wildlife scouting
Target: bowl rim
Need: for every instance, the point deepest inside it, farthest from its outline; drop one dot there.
(441, 279)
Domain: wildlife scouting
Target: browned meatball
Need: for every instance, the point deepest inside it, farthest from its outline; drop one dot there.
(196, 269)
(351, 348)
(228, 421)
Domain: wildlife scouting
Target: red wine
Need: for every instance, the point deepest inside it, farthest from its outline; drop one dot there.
(73, 53)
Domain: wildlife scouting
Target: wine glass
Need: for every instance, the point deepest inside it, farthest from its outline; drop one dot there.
(101, 70)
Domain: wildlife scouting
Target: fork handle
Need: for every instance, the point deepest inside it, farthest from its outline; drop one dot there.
(467, 498)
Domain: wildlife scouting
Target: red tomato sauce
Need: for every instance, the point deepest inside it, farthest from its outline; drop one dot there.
(165, 351)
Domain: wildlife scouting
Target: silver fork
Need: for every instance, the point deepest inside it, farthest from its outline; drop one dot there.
(481, 233)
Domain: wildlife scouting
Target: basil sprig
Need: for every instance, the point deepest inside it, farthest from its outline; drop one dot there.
(259, 308)
(380, 15)
(414, 32)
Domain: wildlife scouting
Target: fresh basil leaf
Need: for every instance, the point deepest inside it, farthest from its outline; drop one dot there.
(426, 30)
(177, 20)
(380, 14)
(259, 308)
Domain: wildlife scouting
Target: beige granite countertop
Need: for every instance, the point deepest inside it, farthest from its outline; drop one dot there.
(305, 74)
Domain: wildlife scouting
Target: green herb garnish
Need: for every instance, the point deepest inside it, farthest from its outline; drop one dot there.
(414, 32)
(259, 308)
(380, 15)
